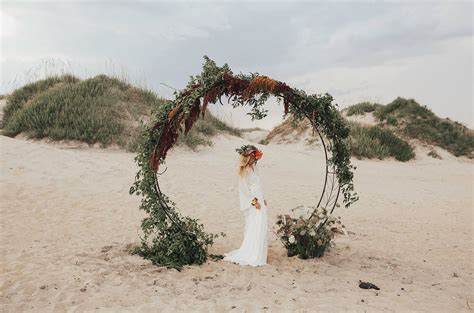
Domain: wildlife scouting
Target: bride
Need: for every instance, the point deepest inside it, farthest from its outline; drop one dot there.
(253, 250)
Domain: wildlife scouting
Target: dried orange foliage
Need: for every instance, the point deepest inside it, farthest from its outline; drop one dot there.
(263, 83)
(260, 84)
(230, 86)
(172, 113)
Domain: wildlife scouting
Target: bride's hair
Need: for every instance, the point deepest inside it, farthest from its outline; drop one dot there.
(244, 163)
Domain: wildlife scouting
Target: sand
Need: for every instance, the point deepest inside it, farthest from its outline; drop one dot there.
(67, 223)
(366, 119)
(255, 135)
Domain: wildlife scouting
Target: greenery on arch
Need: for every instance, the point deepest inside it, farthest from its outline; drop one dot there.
(173, 240)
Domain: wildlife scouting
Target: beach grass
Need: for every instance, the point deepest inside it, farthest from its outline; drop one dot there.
(416, 121)
(377, 142)
(362, 108)
(101, 109)
(410, 120)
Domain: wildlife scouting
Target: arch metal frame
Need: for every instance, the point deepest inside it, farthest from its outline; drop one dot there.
(253, 90)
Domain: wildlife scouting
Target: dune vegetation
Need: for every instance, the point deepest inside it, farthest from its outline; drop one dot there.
(397, 123)
(410, 120)
(100, 109)
(363, 141)
(413, 120)
(362, 108)
(377, 142)
(108, 110)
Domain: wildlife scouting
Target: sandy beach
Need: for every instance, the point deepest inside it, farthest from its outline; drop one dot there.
(68, 222)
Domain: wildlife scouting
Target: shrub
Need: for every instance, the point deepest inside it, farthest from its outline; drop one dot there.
(361, 108)
(457, 139)
(309, 234)
(392, 120)
(405, 108)
(251, 129)
(421, 123)
(91, 111)
(377, 142)
(18, 98)
(101, 110)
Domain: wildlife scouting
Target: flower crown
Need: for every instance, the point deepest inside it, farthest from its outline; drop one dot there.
(248, 149)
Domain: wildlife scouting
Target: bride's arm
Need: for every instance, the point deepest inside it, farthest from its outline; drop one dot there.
(255, 192)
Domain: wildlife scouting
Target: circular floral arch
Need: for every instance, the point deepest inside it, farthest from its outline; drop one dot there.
(173, 240)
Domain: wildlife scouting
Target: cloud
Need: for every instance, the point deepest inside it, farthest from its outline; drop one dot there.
(355, 50)
(442, 80)
(8, 26)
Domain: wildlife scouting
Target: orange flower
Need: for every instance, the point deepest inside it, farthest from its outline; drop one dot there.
(258, 154)
(172, 113)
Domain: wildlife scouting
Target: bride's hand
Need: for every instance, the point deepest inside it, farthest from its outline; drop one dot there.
(257, 205)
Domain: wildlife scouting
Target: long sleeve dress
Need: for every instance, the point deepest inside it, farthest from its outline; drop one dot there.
(254, 247)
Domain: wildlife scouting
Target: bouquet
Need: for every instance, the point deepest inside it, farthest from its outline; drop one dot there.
(309, 232)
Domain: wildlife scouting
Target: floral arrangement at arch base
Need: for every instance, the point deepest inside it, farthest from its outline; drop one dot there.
(309, 234)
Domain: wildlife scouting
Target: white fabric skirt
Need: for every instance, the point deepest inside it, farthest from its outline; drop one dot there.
(254, 248)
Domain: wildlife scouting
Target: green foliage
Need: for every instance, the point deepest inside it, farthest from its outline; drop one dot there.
(377, 142)
(97, 110)
(169, 239)
(18, 98)
(101, 110)
(411, 120)
(362, 108)
(251, 129)
(421, 123)
(172, 247)
(404, 108)
(453, 137)
(392, 120)
(310, 234)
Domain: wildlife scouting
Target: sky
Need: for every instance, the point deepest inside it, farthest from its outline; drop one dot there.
(355, 50)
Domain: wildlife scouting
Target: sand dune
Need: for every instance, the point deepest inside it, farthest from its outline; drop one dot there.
(67, 223)
(255, 135)
(367, 119)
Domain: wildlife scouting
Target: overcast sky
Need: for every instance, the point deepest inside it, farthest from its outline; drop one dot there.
(356, 51)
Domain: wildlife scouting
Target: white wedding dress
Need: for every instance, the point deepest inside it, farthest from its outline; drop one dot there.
(254, 247)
